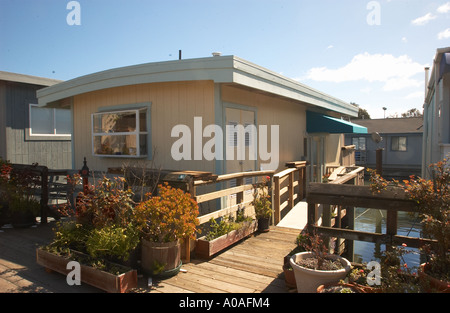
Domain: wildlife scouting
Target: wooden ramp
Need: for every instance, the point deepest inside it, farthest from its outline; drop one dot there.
(253, 265)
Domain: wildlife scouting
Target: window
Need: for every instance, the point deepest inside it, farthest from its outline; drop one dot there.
(398, 143)
(50, 122)
(359, 143)
(234, 131)
(120, 134)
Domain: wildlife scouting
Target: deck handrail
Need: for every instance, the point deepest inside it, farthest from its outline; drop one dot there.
(239, 190)
(278, 191)
(392, 200)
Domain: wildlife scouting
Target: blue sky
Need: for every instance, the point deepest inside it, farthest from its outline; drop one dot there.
(327, 44)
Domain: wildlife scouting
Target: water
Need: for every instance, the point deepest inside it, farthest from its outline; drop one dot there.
(371, 220)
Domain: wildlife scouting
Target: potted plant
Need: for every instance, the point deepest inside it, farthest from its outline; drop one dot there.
(102, 237)
(165, 220)
(262, 204)
(316, 266)
(23, 211)
(17, 188)
(433, 200)
(224, 233)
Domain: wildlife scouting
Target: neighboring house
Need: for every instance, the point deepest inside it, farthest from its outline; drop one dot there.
(436, 133)
(30, 134)
(401, 144)
(167, 111)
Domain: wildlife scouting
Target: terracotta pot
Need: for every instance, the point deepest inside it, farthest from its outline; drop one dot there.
(289, 276)
(309, 279)
(431, 284)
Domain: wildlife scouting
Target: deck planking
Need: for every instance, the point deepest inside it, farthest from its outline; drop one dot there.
(254, 265)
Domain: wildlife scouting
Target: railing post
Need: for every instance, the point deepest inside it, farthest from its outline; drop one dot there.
(240, 195)
(311, 217)
(391, 223)
(291, 190)
(44, 195)
(300, 184)
(276, 199)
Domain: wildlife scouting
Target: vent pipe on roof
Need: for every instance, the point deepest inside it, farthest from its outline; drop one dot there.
(216, 54)
(179, 54)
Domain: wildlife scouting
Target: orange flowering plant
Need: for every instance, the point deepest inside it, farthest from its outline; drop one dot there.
(168, 217)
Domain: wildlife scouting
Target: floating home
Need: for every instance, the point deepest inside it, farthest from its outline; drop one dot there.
(172, 113)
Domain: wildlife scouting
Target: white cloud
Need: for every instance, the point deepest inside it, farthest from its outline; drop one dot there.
(444, 34)
(395, 72)
(445, 8)
(423, 19)
(414, 95)
(404, 39)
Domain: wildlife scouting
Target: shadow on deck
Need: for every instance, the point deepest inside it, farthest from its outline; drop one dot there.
(253, 265)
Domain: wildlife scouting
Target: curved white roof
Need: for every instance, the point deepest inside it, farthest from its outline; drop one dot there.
(220, 69)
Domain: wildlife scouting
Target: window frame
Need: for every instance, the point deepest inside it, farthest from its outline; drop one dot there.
(397, 149)
(358, 146)
(55, 136)
(137, 133)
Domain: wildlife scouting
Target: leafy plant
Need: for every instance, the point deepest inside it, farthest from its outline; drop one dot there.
(433, 201)
(70, 235)
(17, 187)
(112, 242)
(105, 226)
(168, 217)
(219, 229)
(261, 199)
(396, 275)
(105, 204)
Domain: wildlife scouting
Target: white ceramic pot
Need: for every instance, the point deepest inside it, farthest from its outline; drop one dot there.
(309, 279)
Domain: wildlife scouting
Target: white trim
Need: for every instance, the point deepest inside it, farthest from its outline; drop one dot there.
(223, 69)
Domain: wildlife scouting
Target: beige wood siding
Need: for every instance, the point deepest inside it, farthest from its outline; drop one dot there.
(289, 115)
(171, 104)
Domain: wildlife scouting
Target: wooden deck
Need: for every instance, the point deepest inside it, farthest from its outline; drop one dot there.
(253, 265)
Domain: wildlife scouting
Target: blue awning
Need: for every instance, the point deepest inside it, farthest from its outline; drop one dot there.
(320, 123)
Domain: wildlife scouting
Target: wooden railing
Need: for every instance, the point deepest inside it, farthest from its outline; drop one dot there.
(237, 190)
(392, 200)
(285, 182)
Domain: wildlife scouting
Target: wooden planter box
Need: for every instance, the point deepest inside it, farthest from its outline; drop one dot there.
(205, 249)
(89, 275)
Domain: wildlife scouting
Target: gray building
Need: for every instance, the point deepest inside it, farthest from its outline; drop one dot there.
(28, 133)
(436, 111)
(401, 144)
